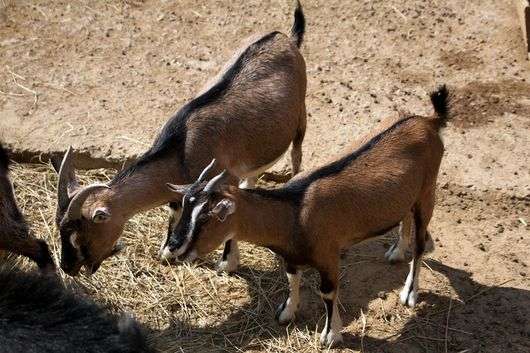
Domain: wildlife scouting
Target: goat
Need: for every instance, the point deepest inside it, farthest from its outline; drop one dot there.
(38, 314)
(309, 220)
(246, 120)
(15, 235)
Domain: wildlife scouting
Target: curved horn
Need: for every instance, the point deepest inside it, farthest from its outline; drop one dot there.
(179, 189)
(209, 167)
(74, 208)
(215, 182)
(68, 184)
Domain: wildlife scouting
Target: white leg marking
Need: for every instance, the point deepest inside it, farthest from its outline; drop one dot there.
(232, 260)
(289, 308)
(409, 293)
(397, 251)
(331, 335)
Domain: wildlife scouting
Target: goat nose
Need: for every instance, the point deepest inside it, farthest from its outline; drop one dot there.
(166, 254)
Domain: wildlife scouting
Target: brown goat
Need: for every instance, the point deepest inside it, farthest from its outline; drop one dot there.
(246, 119)
(364, 193)
(15, 235)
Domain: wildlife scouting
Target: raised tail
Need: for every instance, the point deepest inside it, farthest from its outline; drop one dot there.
(441, 102)
(298, 28)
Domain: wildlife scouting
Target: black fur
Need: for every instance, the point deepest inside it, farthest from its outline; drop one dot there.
(326, 285)
(440, 101)
(4, 158)
(175, 205)
(226, 251)
(44, 258)
(38, 314)
(298, 29)
(172, 138)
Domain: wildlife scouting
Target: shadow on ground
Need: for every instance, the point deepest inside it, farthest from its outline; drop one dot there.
(502, 312)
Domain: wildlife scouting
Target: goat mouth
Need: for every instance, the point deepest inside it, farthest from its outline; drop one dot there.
(187, 256)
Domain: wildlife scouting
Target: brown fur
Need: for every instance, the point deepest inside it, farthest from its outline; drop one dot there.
(251, 125)
(383, 185)
(314, 216)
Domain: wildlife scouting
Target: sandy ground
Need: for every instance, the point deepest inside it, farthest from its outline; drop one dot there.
(103, 77)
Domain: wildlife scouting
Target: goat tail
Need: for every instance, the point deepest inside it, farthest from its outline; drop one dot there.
(298, 28)
(441, 100)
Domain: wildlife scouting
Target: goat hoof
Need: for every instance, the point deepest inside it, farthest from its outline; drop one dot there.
(408, 298)
(227, 266)
(331, 338)
(284, 314)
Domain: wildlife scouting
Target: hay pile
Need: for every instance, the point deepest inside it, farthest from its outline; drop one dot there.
(186, 308)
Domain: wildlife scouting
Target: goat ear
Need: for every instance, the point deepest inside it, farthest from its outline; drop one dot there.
(100, 215)
(223, 209)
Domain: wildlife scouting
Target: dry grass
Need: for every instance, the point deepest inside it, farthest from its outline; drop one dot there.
(195, 309)
(187, 308)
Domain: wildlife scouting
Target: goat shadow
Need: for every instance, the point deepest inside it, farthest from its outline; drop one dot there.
(490, 318)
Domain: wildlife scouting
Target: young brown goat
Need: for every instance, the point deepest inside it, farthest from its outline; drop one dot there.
(246, 119)
(309, 220)
(15, 236)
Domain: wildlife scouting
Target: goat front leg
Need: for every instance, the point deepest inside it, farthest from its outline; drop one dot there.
(287, 310)
(329, 287)
(230, 259)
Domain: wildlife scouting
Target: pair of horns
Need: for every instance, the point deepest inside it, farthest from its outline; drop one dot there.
(71, 196)
(211, 186)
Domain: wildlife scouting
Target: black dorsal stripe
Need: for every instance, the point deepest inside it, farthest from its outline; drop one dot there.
(294, 190)
(172, 137)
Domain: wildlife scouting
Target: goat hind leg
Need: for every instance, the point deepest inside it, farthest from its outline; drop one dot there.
(397, 252)
(422, 215)
(331, 334)
(296, 150)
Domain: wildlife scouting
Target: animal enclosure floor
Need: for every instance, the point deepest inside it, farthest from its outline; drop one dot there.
(105, 76)
(474, 288)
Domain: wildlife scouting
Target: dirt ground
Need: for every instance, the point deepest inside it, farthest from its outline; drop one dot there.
(104, 77)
